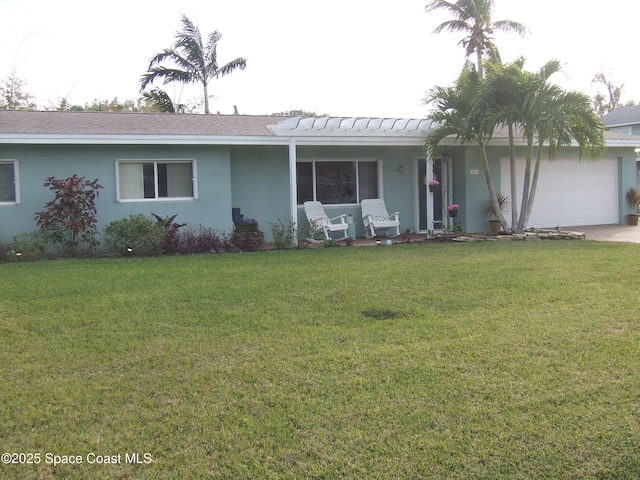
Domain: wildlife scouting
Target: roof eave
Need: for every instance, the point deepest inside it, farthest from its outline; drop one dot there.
(46, 139)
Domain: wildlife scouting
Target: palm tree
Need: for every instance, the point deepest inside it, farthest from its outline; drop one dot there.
(557, 119)
(503, 87)
(460, 111)
(193, 61)
(546, 116)
(473, 18)
(160, 101)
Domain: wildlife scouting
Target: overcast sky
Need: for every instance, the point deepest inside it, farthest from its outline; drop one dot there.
(341, 57)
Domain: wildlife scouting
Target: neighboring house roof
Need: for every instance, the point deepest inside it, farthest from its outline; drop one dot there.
(622, 116)
(53, 127)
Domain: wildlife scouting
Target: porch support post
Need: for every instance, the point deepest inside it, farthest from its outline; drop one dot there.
(293, 188)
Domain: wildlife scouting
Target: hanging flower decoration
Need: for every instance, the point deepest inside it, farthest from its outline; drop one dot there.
(432, 184)
(453, 210)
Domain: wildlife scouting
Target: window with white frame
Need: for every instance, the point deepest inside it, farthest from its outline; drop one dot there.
(337, 181)
(156, 179)
(9, 183)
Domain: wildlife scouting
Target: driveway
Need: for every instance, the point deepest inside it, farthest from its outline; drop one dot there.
(609, 233)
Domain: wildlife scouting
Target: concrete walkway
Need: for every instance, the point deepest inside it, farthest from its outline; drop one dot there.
(609, 233)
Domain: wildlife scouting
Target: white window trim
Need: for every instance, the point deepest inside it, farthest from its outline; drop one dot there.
(155, 161)
(16, 183)
(332, 205)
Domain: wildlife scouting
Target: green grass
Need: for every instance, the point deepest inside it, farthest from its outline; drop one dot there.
(493, 360)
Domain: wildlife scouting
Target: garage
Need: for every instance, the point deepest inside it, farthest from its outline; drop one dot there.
(570, 192)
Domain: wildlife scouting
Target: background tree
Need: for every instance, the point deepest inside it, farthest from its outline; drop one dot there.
(298, 113)
(12, 94)
(192, 61)
(114, 105)
(473, 18)
(605, 103)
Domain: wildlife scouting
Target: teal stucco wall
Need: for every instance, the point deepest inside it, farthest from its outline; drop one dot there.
(256, 179)
(398, 179)
(471, 192)
(37, 162)
(260, 184)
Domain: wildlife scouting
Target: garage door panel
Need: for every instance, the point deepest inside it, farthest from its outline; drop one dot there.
(570, 192)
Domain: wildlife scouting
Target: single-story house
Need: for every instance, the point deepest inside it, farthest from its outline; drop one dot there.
(200, 167)
(626, 120)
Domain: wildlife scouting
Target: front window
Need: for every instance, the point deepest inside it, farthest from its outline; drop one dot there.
(156, 180)
(9, 183)
(337, 182)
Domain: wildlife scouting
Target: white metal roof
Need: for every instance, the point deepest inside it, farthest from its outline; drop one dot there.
(351, 126)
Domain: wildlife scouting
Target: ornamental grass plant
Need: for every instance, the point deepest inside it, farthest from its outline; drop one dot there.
(480, 360)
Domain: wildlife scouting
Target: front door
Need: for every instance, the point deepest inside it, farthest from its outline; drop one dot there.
(434, 199)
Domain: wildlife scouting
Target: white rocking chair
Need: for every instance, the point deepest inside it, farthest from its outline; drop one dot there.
(319, 222)
(376, 217)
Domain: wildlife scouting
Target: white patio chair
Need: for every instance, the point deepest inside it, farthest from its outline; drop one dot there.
(376, 217)
(320, 222)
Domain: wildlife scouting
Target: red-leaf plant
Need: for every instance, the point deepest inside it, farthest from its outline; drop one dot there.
(70, 218)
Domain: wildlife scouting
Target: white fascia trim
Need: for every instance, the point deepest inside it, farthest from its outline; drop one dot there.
(365, 141)
(504, 142)
(623, 143)
(141, 140)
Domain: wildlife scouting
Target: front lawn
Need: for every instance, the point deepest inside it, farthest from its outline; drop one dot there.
(485, 360)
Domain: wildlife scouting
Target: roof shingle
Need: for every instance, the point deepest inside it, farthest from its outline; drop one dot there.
(30, 122)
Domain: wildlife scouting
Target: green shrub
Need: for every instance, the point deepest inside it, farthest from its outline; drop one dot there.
(134, 235)
(28, 246)
(283, 234)
(5, 249)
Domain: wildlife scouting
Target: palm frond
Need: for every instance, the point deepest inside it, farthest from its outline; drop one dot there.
(238, 63)
(159, 100)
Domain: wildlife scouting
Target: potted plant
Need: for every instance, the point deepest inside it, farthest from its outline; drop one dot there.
(247, 235)
(453, 210)
(633, 199)
(494, 223)
(432, 184)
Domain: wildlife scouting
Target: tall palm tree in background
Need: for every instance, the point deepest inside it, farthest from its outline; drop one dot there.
(473, 18)
(192, 61)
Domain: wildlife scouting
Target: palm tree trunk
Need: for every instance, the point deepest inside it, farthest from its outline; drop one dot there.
(206, 97)
(534, 182)
(527, 184)
(492, 190)
(514, 190)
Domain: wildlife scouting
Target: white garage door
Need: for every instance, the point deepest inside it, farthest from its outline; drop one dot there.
(570, 192)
